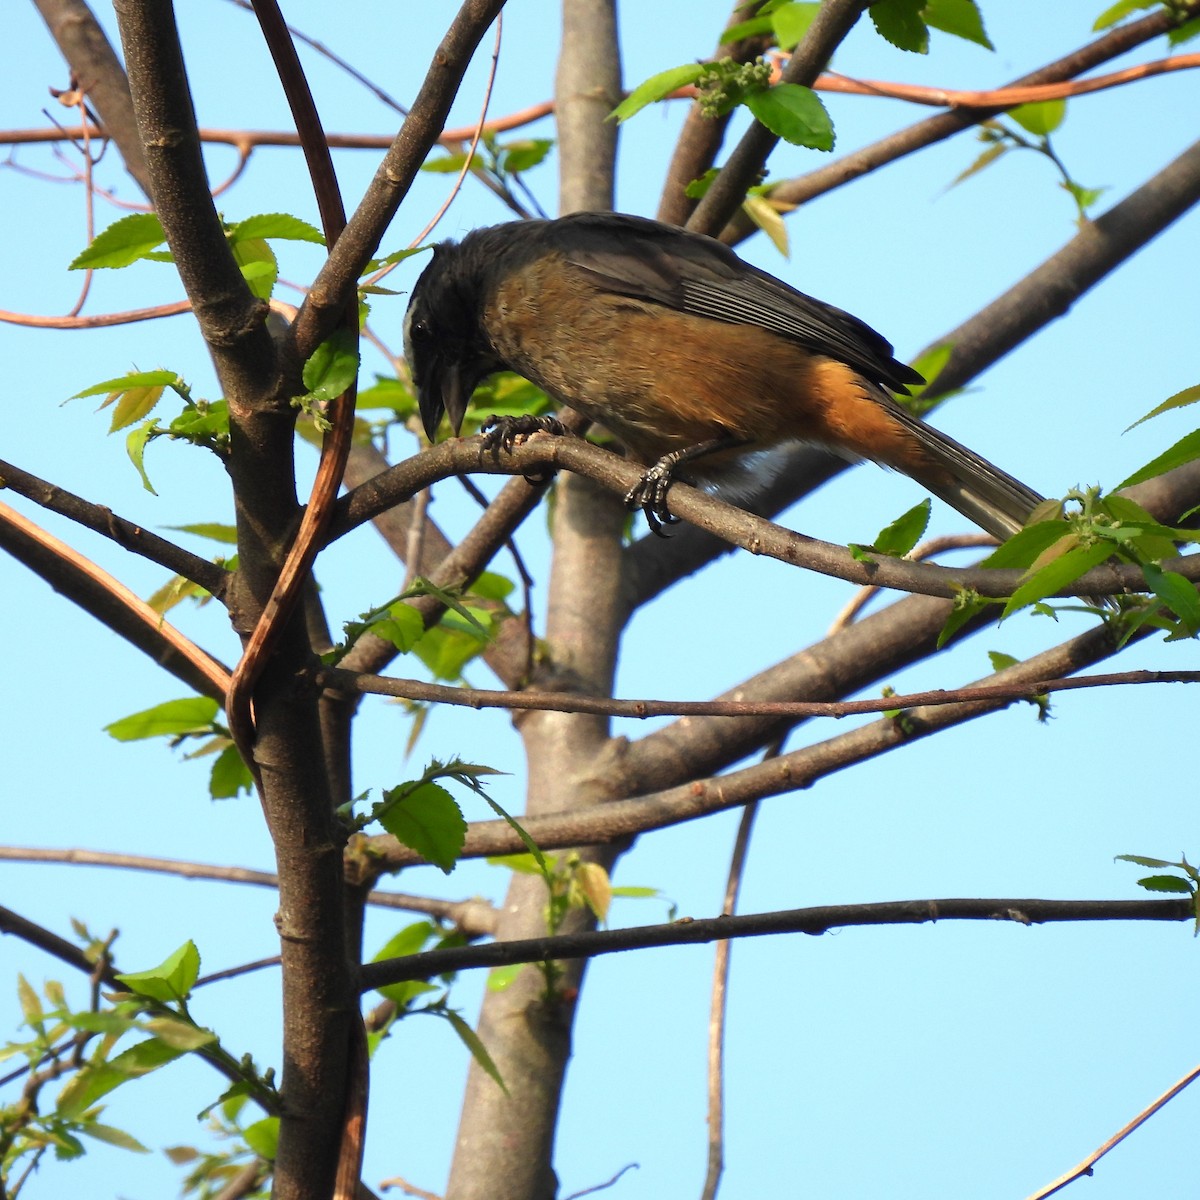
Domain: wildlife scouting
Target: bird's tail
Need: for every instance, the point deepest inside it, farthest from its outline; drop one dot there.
(982, 492)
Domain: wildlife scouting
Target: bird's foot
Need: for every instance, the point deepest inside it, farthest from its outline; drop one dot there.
(650, 495)
(503, 433)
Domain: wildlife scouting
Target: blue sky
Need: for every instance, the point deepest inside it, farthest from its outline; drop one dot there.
(970, 1061)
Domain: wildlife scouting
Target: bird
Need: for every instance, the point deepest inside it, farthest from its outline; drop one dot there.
(692, 358)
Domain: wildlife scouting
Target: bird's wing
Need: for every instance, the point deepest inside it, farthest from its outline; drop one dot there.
(633, 256)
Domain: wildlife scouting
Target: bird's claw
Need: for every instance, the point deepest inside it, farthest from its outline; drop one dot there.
(503, 432)
(650, 495)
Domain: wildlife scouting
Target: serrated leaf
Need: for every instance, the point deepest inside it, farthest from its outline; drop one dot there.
(172, 979)
(1040, 118)
(95, 1082)
(1166, 883)
(1177, 593)
(901, 23)
(122, 243)
(1142, 861)
(135, 446)
(793, 113)
(427, 820)
(1182, 399)
(275, 225)
(479, 1053)
(790, 23)
(132, 380)
(195, 714)
(333, 366)
(1186, 450)
(657, 87)
(961, 18)
(902, 534)
(1057, 575)
(133, 404)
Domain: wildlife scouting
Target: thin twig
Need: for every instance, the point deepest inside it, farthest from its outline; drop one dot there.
(1085, 1167)
(435, 693)
(816, 920)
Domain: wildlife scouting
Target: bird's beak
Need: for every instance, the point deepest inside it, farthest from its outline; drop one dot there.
(447, 394)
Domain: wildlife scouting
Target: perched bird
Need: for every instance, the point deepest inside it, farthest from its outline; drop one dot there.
(690, 356)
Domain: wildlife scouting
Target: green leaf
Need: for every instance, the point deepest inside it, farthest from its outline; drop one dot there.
(31, 1005)
(1023, 549)
(1177, 593)
(1141, 861)
(1189, 395)
(180, 1034)
(793, 113)
(275, 225)
(657, 87)
(170, 719)
(409, 940)
(965, 608)
(898, 538)
(985, 159)
(901, 23)
(258, 264)
(525, 153)
(1057, 574)
(1001, 661)
(1183, 33)
(403, 627)
(931, 363)
(333, 366)
(132, 405)
(215, 531)
(1041, 118)
(1084, 197)
(1184, 451)
(388, 393)
(769, 219)
(171, 980)
(1166, 883)
(94, 1082)
(122, 243)
(790, 23)
(1119, 11)
(491, 585)
(961, 18)
(135, 379)
(229, 776)
(205, 423)
(425, 819)
(263, 1137)
(135, 446)
(113, 1137)
(500, 978)
(479, 1053)
(523, 864)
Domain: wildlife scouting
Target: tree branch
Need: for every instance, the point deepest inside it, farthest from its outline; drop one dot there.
(814, 921)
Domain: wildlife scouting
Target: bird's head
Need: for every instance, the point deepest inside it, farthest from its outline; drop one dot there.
(447, 350)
